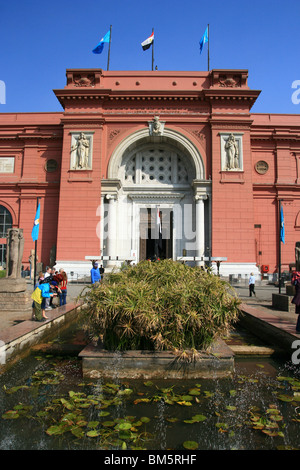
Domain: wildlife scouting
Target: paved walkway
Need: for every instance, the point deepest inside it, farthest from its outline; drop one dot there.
(259, 306)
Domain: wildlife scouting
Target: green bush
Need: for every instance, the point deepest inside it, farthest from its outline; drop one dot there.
(160, 306)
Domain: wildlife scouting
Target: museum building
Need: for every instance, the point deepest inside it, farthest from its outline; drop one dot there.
(140, 165)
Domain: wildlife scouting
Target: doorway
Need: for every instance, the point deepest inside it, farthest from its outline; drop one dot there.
(156, 233)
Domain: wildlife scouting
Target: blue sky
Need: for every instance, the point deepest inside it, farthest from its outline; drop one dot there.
(39, 40)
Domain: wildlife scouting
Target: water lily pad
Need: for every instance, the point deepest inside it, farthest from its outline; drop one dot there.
(172, 420)
(77, 431)
(124, 426)
(286, 398)
(108, 424)
(93, 433)
(56, 430)
(126, 391)
(11, 414)
(93, 424)
(145, 419)
(199, 418)
(148, 383)
(190, 445)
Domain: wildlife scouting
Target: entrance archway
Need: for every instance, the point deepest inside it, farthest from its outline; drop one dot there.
(149, 174)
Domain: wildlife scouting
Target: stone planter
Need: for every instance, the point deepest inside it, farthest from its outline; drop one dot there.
(218, 361)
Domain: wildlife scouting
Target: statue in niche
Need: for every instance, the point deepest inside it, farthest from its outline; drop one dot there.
(232, 153)
(82, 147)
(14, 253)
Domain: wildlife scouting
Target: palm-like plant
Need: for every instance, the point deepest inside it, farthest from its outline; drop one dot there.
(161, 306)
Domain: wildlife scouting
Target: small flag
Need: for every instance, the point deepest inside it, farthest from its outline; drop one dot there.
(99, 48)
(148, 42)
(204, 39)
(36, 225)
(282, 231)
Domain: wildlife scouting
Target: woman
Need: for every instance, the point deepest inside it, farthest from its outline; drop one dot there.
(296, 298)
(63, 289)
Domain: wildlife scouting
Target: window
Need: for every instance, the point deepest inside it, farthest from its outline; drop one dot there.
(5, 221)
(5, 224)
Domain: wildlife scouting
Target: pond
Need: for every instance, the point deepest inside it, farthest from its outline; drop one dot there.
(46, 405)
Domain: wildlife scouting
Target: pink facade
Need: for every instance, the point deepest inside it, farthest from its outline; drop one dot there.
(234, 210)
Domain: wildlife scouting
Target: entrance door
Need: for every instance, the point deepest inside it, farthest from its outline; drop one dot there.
(156, 239)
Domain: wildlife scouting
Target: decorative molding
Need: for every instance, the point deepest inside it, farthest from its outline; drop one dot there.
(199, 135)
(261, 167)
(114, 134)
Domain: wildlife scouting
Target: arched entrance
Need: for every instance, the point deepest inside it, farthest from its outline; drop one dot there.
(156, 199)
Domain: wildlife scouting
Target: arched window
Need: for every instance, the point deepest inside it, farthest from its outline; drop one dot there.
(5, 224)
(5, 221)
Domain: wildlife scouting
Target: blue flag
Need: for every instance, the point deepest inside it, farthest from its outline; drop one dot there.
(204, 39)
(282, 232)
(99, 48)
(36, 225)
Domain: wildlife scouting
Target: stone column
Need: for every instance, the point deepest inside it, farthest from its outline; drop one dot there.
(101, 234)
(112, 226)
(200, 232)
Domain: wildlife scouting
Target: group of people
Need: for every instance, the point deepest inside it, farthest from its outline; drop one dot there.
(97, 273)
(49, 285)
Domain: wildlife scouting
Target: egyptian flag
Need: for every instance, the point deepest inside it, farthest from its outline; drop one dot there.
(148, 42)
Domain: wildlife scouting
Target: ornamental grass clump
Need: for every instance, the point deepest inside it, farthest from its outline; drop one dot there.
(159, 306)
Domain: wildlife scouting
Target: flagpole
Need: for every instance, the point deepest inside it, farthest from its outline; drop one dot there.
(108, 57)
(152, 51)
(35, 250)
(279, 247)
(208, 48)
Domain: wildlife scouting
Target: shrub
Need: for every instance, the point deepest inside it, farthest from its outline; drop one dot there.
(160, 306)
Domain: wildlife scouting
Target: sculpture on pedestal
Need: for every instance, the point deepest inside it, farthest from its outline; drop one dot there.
(14, 253)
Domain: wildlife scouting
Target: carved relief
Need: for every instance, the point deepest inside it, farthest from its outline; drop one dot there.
(84, 80)
(81, 151)
(261, 167)
(231, 152)
(114, 133)
(156, 127)
(200, 135)
(230, 82)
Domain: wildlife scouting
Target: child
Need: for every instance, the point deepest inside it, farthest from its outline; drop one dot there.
(39, 296)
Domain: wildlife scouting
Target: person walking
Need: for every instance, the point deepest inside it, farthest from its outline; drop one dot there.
(251, 285)
(296, 298)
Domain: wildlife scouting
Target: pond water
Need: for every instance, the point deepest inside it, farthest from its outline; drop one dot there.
(46, 405)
